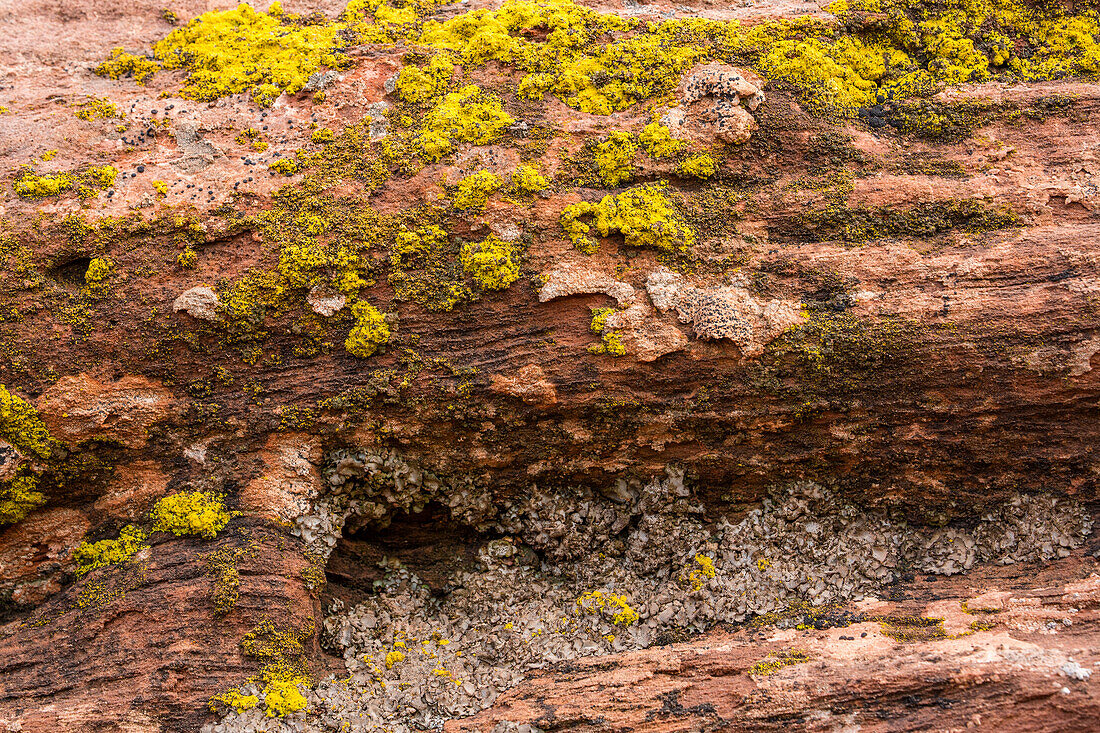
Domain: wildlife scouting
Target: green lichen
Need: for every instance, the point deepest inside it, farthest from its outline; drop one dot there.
(89, 556)
(369, 333)
(200, 513)
(491, 263)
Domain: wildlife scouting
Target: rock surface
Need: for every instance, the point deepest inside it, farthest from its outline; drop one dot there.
(281, 304)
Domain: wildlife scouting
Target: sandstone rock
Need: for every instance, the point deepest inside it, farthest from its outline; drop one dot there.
(325, 301)
(34, 554)
(199, 302)
(80, 408)
(289, 478)
(10, 460)
(529, 384)
(711, 95)
(132, 491)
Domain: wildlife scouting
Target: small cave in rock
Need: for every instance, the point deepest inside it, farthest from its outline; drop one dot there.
(429, 543)
(71, 271)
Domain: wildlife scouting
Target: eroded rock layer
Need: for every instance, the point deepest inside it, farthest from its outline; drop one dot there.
(542, 365)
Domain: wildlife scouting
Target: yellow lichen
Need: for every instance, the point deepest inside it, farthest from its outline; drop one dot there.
(89, 556)
(472, 192)
(614, 604)
(527, 179)
(119, 64)
(18, 498)
(98, 270)
(283, 671)
(643, 215)
(21, 426)
(420, 85)
(242, 50)
(96, 108)
(235, 700)
(701, 570)
(467, 115)
(187, 258)
(285, 166)
(492, 263)
(615, 158)
(32, 186)
(191, 513)
(775, 662)
(658, 141)
(699, 166)
(370, 331)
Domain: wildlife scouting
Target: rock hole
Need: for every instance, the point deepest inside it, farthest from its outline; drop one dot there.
(71, 271)
(429, 543)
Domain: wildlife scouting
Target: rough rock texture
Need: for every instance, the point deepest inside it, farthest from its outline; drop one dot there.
(1031, 670)
(899, 304)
